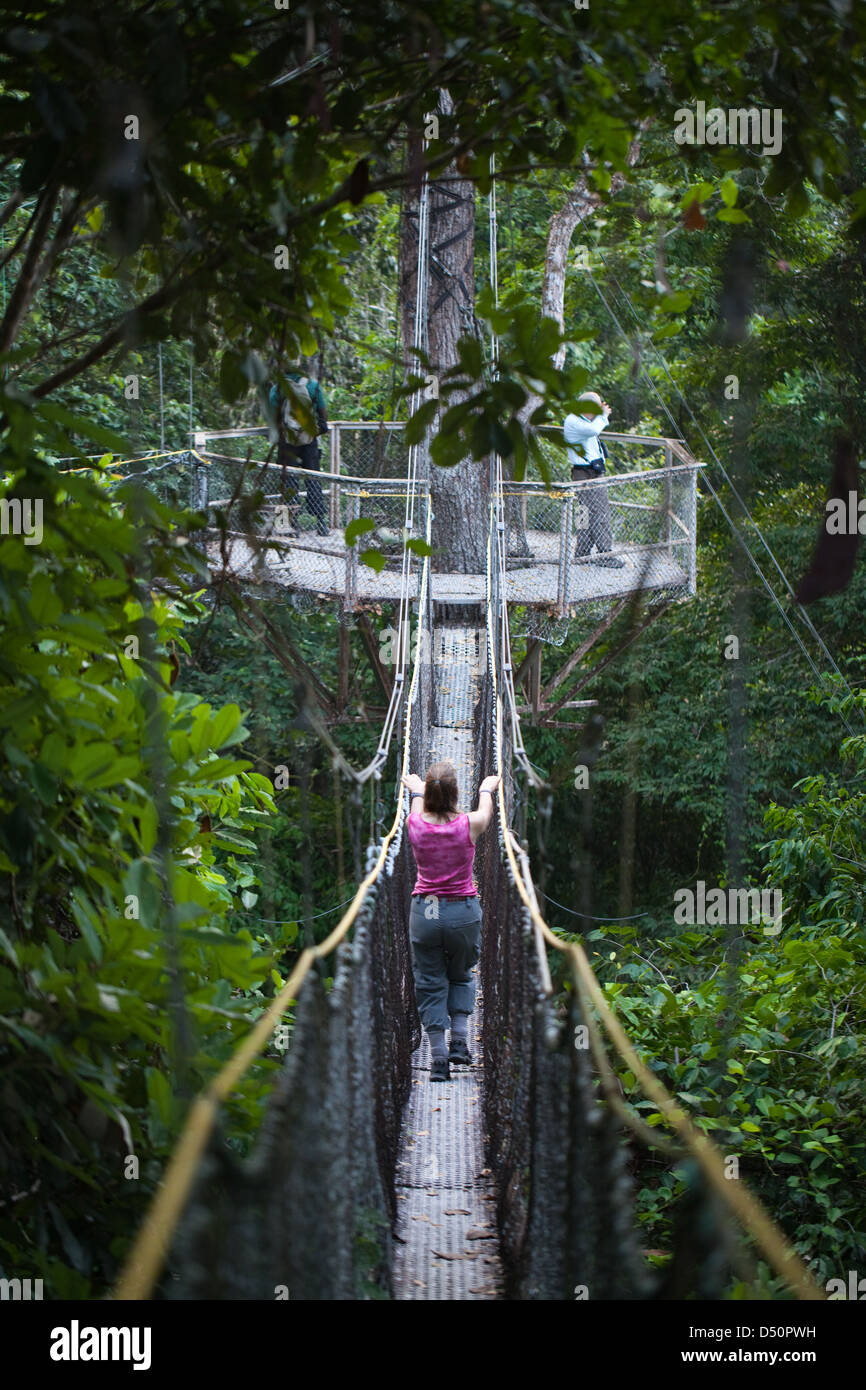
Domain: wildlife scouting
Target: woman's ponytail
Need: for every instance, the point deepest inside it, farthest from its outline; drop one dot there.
(440, 790)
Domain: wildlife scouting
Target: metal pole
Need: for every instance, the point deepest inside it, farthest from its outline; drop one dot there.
(565, 555)
(666, 519)
(564, 536)
(161, 400)
(352, 561)
(334, 441)
(199, 497)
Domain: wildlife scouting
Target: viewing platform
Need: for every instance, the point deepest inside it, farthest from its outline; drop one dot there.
(259, 535)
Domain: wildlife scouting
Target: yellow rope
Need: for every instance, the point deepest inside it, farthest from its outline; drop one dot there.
(737, 1197)
(145, 1260)
(145, 458)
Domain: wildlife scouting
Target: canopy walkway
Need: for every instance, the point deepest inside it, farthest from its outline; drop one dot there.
(652, 498)
(512, 1182)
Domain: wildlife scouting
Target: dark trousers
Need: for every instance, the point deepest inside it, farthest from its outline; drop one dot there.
(597, 513)
(305, 456)
(445, 937)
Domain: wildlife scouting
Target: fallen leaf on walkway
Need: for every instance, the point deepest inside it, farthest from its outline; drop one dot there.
(457, 1211)
(443, 1255)
(476, 1234)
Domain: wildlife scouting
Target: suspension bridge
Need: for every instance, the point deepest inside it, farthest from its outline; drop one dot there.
(514, 1181)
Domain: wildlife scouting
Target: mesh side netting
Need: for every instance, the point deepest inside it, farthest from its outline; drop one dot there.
(309, 1214)
(564, 1201)
(285, 527)
(557, 1149)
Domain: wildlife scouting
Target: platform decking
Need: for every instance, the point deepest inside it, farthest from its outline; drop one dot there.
(319, 564)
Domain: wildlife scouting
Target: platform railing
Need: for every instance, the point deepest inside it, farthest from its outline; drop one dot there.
(651, 508)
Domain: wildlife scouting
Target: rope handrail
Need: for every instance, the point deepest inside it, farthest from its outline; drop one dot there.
(145, 1260)
(748, 1210)
(518, 486)
(293, 468)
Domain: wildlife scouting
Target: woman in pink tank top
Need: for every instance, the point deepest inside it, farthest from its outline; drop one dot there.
(445, 918)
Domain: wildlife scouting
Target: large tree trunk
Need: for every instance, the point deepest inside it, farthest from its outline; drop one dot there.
(459, 495)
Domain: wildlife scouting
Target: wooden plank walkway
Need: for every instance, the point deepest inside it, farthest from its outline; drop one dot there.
(447, 1246)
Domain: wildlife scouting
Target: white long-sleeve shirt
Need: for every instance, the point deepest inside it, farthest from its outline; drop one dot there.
(580, 430)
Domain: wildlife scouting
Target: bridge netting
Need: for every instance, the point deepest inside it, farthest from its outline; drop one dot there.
(309, 1215)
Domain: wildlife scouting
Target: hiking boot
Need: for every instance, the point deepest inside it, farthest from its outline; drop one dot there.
(610, 562)
(459, 1053)
(439, 1069)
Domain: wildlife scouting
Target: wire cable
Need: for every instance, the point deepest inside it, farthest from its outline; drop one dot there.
(800, 610)
(587, 917)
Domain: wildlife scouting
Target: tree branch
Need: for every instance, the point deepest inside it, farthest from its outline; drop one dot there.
(27, 282)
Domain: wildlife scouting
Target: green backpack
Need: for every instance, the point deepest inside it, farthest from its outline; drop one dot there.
(298, 413)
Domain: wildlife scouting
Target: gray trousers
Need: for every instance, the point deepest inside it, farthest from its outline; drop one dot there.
(597, 504)
(445, 937)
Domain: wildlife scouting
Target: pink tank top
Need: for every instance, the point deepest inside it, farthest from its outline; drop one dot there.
(444, 855)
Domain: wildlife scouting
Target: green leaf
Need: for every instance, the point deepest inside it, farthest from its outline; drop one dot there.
(675, 303)
(232, 382)
(416, 425)
(358, 527)
(87, 923)
(698, 193)
(225, 727)
(728, 191)
(374, 558)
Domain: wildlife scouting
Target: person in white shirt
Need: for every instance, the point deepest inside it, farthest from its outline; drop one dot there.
(587, 461)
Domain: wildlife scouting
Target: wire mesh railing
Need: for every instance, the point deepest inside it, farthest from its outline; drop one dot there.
(309, 1214)
(554, 1111)
(580, 540)
(570, 544)
(564, 1196)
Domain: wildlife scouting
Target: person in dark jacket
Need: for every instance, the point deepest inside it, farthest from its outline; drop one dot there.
(297, 444)
(445, 918)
